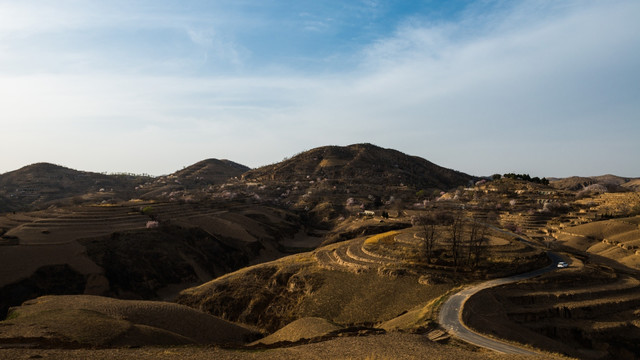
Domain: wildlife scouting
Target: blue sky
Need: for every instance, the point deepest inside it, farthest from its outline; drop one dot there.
(550, 88)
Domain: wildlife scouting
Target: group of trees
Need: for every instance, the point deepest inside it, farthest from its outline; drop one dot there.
(525, 177)
(465, 236)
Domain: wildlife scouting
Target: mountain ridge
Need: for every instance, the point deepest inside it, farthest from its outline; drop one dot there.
(612, 182)
(354, 167)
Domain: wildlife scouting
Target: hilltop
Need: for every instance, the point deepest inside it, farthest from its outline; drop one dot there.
(361, 164)
(42, 184)
(610, 182)
(211, 171)
(192, 181)
(332, 182)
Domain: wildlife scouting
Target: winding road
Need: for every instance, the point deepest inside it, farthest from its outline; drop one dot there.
(450, 316)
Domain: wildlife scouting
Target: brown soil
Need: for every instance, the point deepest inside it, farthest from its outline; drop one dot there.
(304, 328)
(99, 321)
(389, 346)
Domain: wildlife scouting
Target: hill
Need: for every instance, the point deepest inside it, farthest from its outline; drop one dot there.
(333, 182)
(222, 235)
(41, 185)
(383, 281)
(633, 184)
(611, 182)
(192, 181)
(117, 250)
(211, 171)
(83, 320)
(388, 346)
(361, 164)
(617, 239)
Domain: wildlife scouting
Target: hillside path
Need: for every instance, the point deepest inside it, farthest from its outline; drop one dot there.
(450, 316)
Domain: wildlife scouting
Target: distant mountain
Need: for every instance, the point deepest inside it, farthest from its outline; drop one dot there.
(192, 180)
(331, 182)
(361, 164)
(211, 171)
(41, 184)
(633, 184)
(611, 182)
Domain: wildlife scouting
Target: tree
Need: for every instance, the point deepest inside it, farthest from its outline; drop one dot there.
(455, 222)
(477, 233)
(428, 224)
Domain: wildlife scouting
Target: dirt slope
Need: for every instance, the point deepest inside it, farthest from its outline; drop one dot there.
(99, 321)
(390, 346)
(304, 328)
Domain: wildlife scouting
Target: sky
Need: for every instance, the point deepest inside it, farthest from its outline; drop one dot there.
(548, 88)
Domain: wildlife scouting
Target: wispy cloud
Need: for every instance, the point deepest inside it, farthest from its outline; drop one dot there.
(526, 87)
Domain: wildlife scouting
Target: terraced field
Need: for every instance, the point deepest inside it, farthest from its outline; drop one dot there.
(351, 256)
(41, 238)
(585, 311)
(615, 239)
(402, 251)
(99, 246)
(615, 204)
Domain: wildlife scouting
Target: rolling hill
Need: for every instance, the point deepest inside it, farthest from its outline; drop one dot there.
(230, 242)
(611, 182)
(212, 171)
(41, 185)
(192, 180)
(333, 182)
(361, 164)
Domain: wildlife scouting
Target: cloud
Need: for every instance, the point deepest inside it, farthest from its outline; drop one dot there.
(529, 87)
(215, 47)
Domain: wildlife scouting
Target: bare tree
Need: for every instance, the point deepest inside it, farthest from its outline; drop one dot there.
(455, 222)
(477, 233)
(428, 224)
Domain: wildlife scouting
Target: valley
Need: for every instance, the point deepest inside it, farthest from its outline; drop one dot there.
(334, 252)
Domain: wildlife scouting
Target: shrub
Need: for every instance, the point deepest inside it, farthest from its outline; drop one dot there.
(591, 190)
(555, 208)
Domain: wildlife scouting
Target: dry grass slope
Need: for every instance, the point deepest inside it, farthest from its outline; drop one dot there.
(98, 321)
(616, 239)
(394, 346)
(304, 328)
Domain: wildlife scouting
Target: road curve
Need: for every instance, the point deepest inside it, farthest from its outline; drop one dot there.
(450, 316)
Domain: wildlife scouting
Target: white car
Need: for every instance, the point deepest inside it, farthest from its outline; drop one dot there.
(563, 264)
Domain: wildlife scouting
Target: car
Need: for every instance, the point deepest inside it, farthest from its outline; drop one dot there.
(563, 264)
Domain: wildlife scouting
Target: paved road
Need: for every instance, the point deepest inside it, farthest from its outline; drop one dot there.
(450, 316)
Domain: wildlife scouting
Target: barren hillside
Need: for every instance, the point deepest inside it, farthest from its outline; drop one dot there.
(361, 164)
(42, 184)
